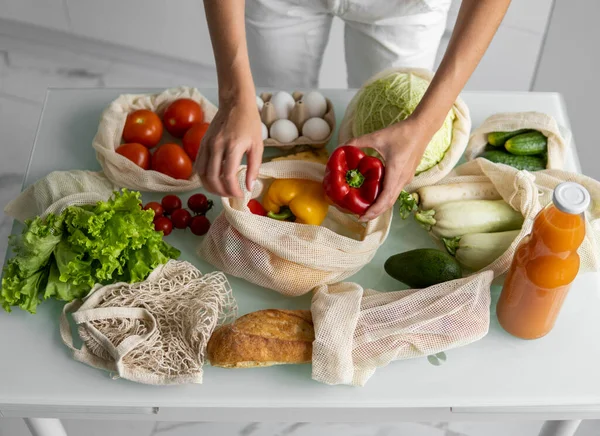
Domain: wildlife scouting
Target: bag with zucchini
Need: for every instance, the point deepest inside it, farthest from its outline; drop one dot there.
(530, 141)
(481, 211)
(359, 330)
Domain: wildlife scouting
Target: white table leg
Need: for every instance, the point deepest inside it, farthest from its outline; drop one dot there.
(45, 427)
(560, 428)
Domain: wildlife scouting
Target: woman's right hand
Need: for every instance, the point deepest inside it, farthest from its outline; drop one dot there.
(234, 131)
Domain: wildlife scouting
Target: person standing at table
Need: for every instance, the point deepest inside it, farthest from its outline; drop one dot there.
(286, 40)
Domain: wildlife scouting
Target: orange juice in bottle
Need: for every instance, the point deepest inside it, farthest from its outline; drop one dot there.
(544, 265)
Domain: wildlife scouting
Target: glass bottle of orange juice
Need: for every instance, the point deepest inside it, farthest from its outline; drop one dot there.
(544, 265)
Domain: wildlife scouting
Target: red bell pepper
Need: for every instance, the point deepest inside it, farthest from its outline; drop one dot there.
(256, 208)
(353, 180)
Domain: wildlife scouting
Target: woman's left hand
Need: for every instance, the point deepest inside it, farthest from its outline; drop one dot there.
(401, 146)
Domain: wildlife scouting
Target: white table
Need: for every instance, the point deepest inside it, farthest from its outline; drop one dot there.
(499, 377)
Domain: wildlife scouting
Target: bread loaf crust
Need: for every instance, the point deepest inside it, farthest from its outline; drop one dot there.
(263, 338)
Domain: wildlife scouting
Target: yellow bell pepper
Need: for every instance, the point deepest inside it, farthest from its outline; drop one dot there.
(298, 200)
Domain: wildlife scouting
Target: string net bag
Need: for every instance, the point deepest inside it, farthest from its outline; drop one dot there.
(59, 190)
(121, 170)
(359, 330)
(459, 118)
(559, 137)
(287, 257)
(155, 331)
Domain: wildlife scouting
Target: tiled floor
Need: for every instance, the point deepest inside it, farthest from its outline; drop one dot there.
(24, 76)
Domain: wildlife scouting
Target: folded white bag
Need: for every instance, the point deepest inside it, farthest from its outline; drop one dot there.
(359, 330)
(59, 190)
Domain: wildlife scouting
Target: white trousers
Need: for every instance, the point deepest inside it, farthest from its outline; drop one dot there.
(287, 38)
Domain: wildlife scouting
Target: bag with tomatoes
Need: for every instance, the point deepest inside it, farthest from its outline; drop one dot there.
(290, 256)
(148, 142)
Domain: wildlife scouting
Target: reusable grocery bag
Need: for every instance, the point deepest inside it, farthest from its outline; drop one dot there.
(155, 331)
(528, 193)
(359, 330)
(559, 138)
(59, 190)
(283, 256)
(461, 127)
(121, 170)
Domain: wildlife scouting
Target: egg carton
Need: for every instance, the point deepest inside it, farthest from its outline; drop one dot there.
(298, 116)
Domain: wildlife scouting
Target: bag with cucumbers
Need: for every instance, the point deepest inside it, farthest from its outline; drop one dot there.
(359, 330)
(481, 211)
(529, 141)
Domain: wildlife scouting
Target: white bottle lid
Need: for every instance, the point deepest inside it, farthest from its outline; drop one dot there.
(571, 197)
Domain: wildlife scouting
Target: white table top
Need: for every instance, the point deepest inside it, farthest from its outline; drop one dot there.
(499, 374)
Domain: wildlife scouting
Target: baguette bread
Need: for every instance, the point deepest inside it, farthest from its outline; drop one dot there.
(263, 338)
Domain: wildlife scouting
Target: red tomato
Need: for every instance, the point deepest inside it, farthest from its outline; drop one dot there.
(181, 115)
(156, 207)
(181, 218)
(144, 127)
(199, 225)
(256, 208)
(198, 203)
(192, 139)
(171, 203)
(136, 153)
(163, 224)
(170, 159)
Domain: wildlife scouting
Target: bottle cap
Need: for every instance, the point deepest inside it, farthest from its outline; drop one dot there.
(571, 197)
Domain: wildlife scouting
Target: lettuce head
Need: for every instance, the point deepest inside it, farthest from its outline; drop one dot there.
(394, 98)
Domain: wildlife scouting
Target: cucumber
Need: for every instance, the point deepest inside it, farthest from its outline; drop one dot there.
(423, 267)
(527, 144)
(529, 163)
(498, 139)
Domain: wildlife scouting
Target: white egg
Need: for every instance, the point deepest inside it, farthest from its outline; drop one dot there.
(265, 131)
(284, 131)
(316, 129)
(260, 103)
(315, 103)
(283, 103)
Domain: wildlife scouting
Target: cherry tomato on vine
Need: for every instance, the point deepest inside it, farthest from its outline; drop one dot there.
(171, 203)
(199, 225)
(198, 203)
(181, 218)
(163, 224)
(156, 207)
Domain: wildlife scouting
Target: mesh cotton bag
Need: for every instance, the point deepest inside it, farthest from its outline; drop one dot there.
(559, 138)
(528, 193)
(152, 332)
(121, 170)
(287, 257)
(358, 330)
(57, 191)
(461, 127)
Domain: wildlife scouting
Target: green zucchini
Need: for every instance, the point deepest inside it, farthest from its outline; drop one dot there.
(423, 267)
(529, 163)
(527, 144)
(498, 139)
